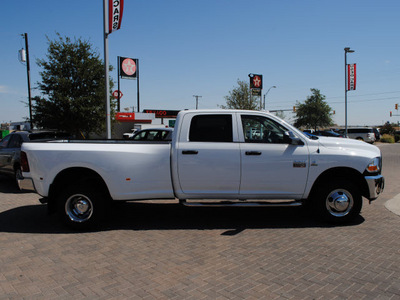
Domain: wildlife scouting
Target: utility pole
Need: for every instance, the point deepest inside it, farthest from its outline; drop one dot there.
(28, 72)
(197, 100)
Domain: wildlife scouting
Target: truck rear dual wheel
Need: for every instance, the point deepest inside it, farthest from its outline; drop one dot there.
(81, 206)
(337, 202)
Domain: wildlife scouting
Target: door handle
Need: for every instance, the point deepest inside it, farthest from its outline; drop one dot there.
(190, 152)
(253, 153)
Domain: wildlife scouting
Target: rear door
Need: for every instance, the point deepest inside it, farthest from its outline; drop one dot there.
(208, 156)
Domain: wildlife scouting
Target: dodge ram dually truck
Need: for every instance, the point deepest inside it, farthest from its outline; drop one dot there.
(242, 157)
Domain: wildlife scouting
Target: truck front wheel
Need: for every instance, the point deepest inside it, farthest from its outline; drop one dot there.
(337, 202)
(81, 207)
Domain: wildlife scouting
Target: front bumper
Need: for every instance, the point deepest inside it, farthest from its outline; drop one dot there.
(376, 184)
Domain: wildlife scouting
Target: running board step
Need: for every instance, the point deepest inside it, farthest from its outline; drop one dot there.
(242, 203)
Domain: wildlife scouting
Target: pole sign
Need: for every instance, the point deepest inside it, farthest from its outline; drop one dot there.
(255, 81)
(351, 77)
(256, 84)
(128, 68)
(115, 9)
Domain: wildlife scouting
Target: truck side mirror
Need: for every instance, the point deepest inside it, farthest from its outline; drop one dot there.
(291, 139)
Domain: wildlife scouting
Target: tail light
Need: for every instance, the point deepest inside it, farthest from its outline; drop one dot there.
(24, 162)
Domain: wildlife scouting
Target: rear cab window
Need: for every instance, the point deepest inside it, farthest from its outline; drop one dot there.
(211, 128)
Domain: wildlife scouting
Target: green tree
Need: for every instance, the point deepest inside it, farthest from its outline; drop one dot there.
(314, 112)
(388, 128)
(72, 89)
(239, 98)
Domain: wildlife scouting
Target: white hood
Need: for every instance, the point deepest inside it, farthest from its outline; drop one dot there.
(348, 144)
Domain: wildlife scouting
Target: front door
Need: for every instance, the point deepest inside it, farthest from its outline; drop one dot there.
(271, 166)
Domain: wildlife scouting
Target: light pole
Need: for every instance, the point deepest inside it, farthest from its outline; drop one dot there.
(28, 72)
(346, 50)
(197, 100)
(272, 87)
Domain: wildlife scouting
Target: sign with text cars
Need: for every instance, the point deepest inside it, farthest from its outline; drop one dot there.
(351, 77)
(128, 68)
(115, 9)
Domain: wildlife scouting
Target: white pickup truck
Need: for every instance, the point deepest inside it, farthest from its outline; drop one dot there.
(242, 157)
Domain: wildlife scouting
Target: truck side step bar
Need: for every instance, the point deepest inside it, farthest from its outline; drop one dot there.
(241, 203)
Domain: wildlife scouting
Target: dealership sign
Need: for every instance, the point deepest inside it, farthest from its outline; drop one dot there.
(115, 9)
(351, 77)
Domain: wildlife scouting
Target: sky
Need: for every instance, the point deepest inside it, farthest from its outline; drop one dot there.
(203, 47)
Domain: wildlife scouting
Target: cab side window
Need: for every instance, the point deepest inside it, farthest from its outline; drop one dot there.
(211, 128)
(259, 129)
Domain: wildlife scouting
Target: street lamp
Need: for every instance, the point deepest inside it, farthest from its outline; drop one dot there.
(346, 50)
(266, 95)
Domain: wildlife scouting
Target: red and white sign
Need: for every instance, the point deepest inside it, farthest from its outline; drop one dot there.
(257, 81)
(125, 117)
(351, 77)
(115, 94)
(115, 9)
(128, 66)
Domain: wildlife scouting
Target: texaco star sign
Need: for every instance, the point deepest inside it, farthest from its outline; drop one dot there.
(129, 66)
(257, 81)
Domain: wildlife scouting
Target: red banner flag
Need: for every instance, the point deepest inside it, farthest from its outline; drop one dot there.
(115, 9)
(351, 77)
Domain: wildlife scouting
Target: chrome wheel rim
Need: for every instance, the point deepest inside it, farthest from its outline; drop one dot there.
(79, 208)
(339, 203)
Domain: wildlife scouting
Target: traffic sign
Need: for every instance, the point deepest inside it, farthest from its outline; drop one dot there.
(115, 94)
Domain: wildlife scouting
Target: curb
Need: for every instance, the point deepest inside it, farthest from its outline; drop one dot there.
(394, 205)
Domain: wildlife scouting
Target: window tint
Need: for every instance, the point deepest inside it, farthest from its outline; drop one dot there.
(15, 142)
(258, 129)
(211, 128)
(359, 130)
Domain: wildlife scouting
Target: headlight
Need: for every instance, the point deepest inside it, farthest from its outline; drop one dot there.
(374, 165)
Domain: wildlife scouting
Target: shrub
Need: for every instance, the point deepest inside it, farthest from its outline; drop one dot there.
(387, 138)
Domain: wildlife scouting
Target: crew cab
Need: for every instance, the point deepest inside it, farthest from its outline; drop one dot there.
(213, 155)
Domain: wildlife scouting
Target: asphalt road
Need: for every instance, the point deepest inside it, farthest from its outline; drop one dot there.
(165, 251)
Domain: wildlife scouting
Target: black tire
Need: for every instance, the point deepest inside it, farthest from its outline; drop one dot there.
(337, 202)
(81, 206)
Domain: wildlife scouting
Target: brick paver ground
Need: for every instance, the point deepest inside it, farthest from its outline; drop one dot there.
(165, 251)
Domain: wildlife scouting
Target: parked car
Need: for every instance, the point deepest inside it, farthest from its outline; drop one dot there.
(153, 134)
(327, 133)
(365, 134)
(129, 135)
(10, 150)
(377, 134)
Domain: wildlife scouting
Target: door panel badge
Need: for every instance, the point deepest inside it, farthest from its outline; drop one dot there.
(299, 164)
